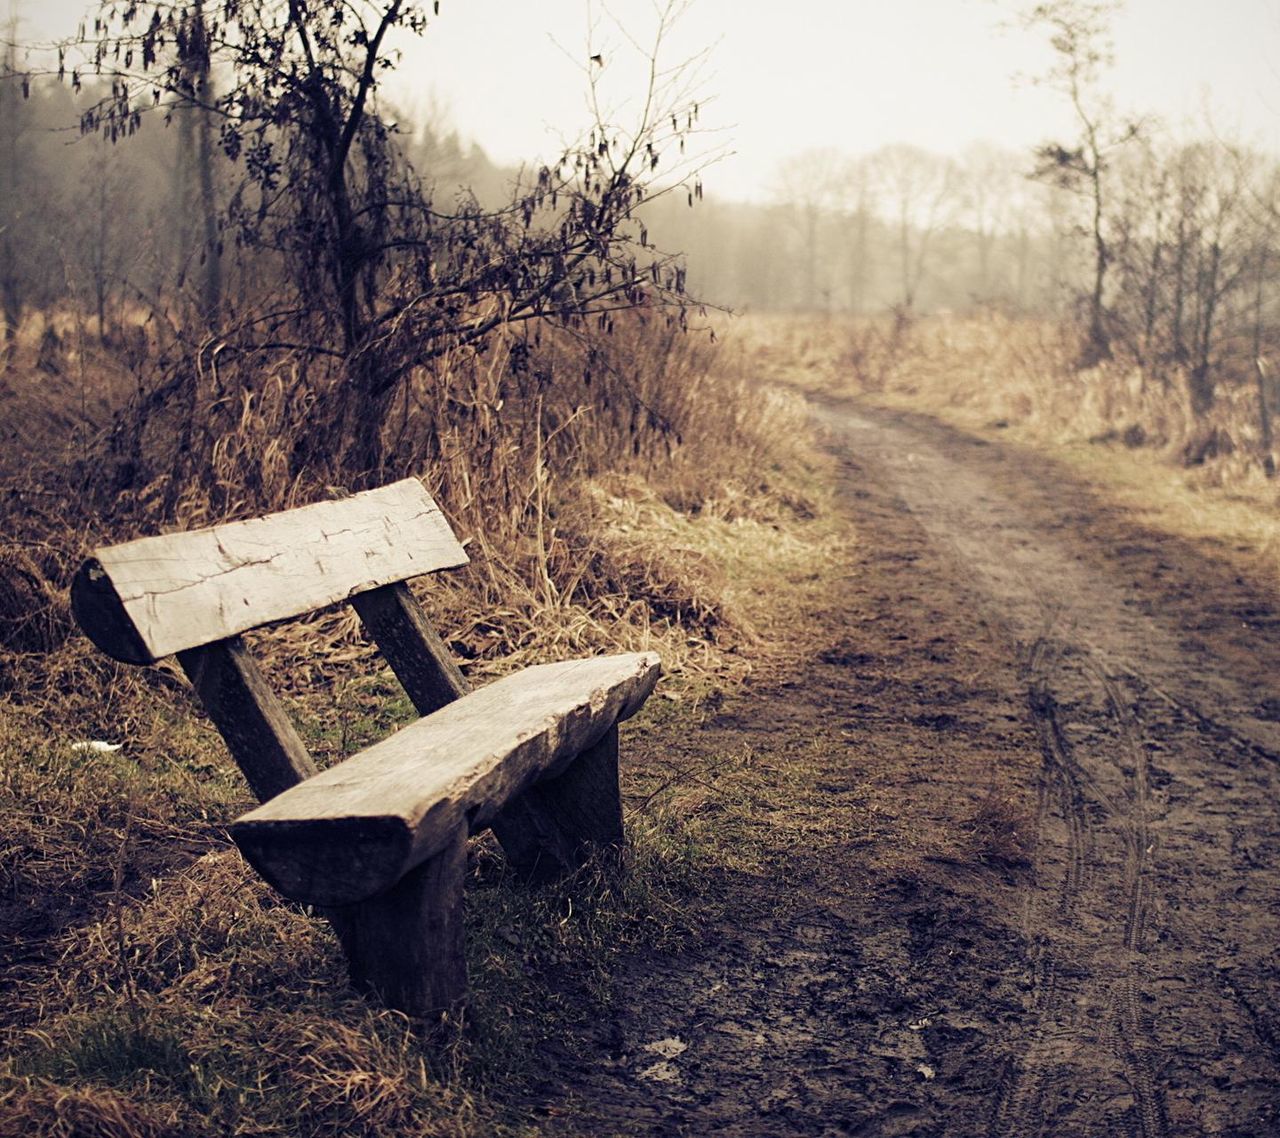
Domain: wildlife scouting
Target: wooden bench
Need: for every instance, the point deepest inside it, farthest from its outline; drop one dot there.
(377, 842)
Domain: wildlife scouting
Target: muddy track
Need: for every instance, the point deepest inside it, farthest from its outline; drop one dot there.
(1126, 914)
(1005, 628)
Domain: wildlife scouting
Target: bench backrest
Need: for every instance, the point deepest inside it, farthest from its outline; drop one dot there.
(192, 594)
(160, 595)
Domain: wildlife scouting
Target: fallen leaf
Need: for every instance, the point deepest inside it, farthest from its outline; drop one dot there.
(668, 1048)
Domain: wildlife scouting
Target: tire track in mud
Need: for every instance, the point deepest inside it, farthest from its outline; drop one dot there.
(1140, 846)
(1020, 1109)
(1063, 783)
(1004, 627)
(1070, 792)
(1134, 923)
(1134, 1031)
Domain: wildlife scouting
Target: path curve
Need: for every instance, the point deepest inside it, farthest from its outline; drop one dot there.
(1155, 878)
(1008, 650)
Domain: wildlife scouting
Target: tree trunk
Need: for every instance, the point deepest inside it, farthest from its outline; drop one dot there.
(1202, 380)
(858, 276)
(904, 254)
(1099, 345)
(211, 277)
(1200, 386)
(1265, 436)
(183, 205)
(811, 258)
(12, 310)
(359, 449)
(1179, 294)
(1266, 439)
(1149, 306)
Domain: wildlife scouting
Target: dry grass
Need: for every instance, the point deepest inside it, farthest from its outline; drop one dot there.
(804, 352)
(1131, 433)
(213, 1007)
(209, 1007)
(639, 492)
(988, 370)
(1000, 832)
(1135, 434)
(59, 389)
(71, 818)
(40, 1108)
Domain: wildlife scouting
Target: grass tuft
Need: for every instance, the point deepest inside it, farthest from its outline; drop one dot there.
(39, 1108)
(1000, 832)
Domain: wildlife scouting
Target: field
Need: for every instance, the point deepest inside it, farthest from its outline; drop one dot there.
(832, 790)
(1199, 475)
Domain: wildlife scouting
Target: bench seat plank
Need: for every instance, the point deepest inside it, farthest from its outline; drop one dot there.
(354, 830)
(156, 596)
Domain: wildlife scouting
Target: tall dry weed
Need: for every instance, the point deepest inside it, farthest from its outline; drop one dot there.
(505, 437)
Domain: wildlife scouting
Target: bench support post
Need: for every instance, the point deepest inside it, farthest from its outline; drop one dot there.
(559, 822)
(258, 733)
(552, 828)
(417, 655)
(406, 945)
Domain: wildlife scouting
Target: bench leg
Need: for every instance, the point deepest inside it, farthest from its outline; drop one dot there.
(559, 822)
(406, 945)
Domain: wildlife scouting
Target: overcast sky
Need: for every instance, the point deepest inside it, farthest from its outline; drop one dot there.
(849, 74)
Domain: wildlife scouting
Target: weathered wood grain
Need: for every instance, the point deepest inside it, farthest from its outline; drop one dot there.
(421, 661)
(244, 709)
(406, 945)
(377, 843)
(530, 828)
(150, 598)
(356, 829)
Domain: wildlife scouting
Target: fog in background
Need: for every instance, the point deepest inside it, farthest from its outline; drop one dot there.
(854, 157)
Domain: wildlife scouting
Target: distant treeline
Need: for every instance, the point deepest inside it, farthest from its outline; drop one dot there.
(1179, 240)
(902, 227)
(106, 224)
(1161, 251)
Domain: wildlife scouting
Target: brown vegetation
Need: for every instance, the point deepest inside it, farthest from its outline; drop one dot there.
(163, 989)
(636, 491)
(989, 370)
(620, 482)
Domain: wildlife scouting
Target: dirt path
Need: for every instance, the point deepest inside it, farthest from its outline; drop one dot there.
(1039, 891)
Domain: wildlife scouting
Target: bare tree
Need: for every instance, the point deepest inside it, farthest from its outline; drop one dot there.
(16, 161)
(379, 280)
(100, 249)
(195, 202)
(808, 188)
(1264, 208)
(855, 206)
(989, 178)
(1079, 32)
(917, 190)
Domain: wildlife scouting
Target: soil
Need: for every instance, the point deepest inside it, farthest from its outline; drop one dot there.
(1039, 891)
